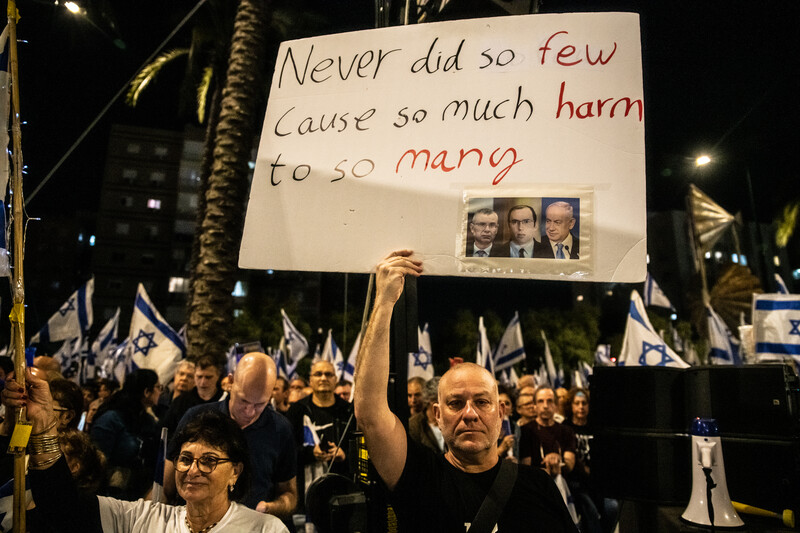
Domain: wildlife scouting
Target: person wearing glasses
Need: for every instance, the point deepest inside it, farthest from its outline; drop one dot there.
(326, 416)
(210, 460)
(522, 225)
(268, 434)
(483, 227)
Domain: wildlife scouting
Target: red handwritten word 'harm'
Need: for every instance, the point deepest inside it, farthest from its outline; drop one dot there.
(475, 155)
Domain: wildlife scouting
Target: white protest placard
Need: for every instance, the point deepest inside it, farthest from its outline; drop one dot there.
(446, 137)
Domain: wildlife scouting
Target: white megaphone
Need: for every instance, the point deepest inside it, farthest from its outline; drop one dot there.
(710, 504)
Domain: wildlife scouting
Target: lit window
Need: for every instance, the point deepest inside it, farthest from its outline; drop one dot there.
(153, 203)
(580, 298)
(237, 313)
(133, 148)
(161, 151)
(91, 240)
(673, 316)
(717, 255)
(129, 175)
(647, 258)
(735, 258)
(179, 285)
(796, 273)
(238, 290)
(80, 237)
(743, 260)
(776, 260)
(708, 255)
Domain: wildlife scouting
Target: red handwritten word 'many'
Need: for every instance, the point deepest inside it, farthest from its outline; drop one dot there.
(440, 160)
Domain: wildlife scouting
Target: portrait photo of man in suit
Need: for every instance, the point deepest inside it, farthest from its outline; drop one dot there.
(559, 241)
(521, 220)
(483, 227)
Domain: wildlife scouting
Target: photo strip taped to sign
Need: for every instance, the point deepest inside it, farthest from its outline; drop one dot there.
(373, 139)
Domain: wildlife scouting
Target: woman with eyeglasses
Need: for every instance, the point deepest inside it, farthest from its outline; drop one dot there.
(211, 472)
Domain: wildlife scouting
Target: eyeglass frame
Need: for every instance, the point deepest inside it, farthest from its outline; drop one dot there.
(217, 461)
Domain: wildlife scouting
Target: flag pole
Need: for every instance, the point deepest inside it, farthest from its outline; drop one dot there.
(18, 284)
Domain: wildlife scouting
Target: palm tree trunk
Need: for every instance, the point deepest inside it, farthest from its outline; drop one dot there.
(212, 281)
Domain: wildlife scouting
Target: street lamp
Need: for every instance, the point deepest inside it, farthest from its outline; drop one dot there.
(702, 160)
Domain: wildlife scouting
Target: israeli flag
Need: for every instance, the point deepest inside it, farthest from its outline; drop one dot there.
(509, 377)
(232, 358)
(510, 350)
(317, 354)
(119, 364)
(782, 289)
(7, 503)
(297, 345)
(654, 296)
(484, 352)
(540, 376)
(69, 357)
(345, 370)
(724, 348)
(310, 436)
(602, 355)
(420, 363)
(153, 343)
(72, 320)
(158, 476)
(330, 352)
(578, 380)
(552, 374)
(285, 369)
(642, 346)
(776, 326)
(105, 344)
(677, 340)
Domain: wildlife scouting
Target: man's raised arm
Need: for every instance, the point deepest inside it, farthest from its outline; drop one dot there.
(385, 435)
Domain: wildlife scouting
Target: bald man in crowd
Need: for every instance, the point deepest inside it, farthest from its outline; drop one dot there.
(443, 492)
(268, 433)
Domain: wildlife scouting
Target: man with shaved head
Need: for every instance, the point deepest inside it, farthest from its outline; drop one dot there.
(268, 433)
(431, 492)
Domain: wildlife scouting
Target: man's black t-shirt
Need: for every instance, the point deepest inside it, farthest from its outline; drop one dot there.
(433, 495)
(537, 441)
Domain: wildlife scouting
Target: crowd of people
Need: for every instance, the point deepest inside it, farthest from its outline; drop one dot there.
(244, 447)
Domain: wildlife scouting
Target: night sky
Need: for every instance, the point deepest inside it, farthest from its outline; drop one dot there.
(720, 77)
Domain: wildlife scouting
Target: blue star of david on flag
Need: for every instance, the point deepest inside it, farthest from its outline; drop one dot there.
(150, 344)
(422, 358)
(660, 348)
(795, 327)
(68, 306)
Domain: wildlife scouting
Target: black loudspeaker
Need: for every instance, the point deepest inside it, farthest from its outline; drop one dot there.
(642, 415)
(747, 401)
(640, 398)
(641, 466)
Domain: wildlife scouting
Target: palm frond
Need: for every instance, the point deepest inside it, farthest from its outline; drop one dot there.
(202, 93)
(786, 224)
(148, 74)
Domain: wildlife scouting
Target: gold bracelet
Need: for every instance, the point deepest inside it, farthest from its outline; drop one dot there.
(46, 463)
(43, 444)
(48, 428)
